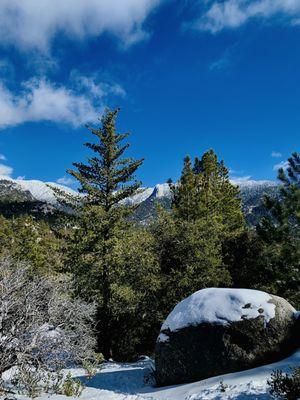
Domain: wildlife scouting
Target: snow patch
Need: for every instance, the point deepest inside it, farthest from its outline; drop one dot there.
(161, 190)
(162, 337)
(138, 198)
(220, 306)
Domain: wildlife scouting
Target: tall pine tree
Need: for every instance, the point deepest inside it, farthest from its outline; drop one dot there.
(105, 180)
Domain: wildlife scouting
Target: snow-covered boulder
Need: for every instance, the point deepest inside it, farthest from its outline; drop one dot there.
(217, 331)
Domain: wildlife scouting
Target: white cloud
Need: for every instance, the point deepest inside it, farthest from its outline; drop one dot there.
(282, 164)
(235, 172)
(42, 100)
(231, 14)
(5, 171)
(2, 157)
(65, 180)
(33, 24)
(276, 154)
(237, 180)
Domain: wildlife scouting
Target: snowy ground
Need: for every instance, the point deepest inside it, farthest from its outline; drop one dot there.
(127, 382)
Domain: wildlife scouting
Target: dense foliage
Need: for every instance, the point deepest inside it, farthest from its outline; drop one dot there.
(269, 257)
(137, 273)
(205, 213)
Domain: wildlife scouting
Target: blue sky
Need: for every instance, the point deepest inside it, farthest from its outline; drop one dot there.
(189, 75)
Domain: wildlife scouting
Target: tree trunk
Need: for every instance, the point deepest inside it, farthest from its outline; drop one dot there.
(104, 318)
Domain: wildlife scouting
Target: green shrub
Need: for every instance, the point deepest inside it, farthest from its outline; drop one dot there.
(71, 387)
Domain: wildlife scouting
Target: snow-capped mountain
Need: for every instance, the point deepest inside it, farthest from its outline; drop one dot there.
(40, 191)
(39, 194)
(252, 195)
(19, 197)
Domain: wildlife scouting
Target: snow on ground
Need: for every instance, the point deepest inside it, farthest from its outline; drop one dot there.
(219, 306)
(127, 382)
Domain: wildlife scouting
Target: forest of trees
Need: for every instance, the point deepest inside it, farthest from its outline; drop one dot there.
(134, 274)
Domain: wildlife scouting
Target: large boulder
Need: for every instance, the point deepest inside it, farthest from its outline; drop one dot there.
(218, 331)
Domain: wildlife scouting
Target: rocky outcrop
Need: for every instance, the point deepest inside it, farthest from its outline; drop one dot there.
(218, 331)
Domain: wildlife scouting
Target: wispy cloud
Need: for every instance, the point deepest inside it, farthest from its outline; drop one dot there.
(276, 154)
(282, 164)
(240, 179)
(42, 100)
(222, 63)
(2, 157)
(6, 171)
(32, 24)
(65, 180)
(228, 58)
(93, 85)
(231, 14)
(235, 172)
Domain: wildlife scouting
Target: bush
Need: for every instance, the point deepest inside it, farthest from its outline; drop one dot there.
(71, 387)
(43, 329)
(28, 381)
(285, 386)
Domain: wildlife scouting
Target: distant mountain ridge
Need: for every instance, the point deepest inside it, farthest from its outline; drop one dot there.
(34, 196)
(252, 194)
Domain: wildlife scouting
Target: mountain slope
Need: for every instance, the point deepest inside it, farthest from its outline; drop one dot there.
(19, 196)
(252, 194)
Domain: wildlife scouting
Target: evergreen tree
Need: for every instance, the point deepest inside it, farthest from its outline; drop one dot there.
(206, 211)
(280, 233)
(190, 258)
(6, 236)
(284, 218)
(136, 317)
(185, 202)
(106, 180)
(205, 191)
(35, 242)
